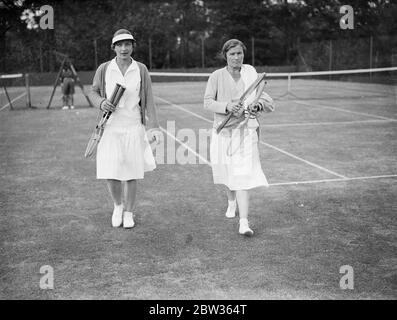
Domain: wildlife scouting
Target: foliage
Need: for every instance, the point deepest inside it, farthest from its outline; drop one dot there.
(171, 34)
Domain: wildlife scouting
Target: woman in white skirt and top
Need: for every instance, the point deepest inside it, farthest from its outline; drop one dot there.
(124, 153)
(235, 157)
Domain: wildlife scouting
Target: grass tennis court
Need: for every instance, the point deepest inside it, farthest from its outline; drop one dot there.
(329, 152)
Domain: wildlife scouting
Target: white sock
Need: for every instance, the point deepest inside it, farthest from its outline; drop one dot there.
(232, 203)
(118, 206)
(128, 215)
(244, 220)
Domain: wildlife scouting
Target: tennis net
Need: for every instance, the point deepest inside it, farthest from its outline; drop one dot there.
(15, 91)
(357, 83)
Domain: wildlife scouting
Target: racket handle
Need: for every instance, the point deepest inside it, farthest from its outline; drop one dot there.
(118, 96)
(224, 122)
(115, 98)
(115, 91)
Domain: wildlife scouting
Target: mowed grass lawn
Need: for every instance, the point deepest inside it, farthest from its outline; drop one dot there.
(54, 212)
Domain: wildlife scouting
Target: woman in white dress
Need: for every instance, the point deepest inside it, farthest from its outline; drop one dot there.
(235, 157)
(124, 153)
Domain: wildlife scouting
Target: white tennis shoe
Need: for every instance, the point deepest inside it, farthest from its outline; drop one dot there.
(245, 229)
(128, 220)
(117, 217)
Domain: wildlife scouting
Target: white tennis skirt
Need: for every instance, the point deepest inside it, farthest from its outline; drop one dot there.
(124, 153)
(235, 160)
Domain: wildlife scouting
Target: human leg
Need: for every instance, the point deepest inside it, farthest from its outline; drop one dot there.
(130, 188)
(65, 102)
(232, 205)
(243, 205)
(115, 190)
(71, 101)
(231, 195)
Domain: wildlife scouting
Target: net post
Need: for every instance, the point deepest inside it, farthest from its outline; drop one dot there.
(371, 44)
(8, 98)
(289, 84)
(150, 53)
(96, 53)
(253, 50)
(203, 52)
(56, 82)
(27, 85)
(79, 83)
(330, 56)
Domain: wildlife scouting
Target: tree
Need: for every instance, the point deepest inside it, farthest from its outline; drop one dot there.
(10, 13)
(169, 33)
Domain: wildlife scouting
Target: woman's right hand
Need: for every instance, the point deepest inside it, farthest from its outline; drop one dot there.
(107, 106)
(234, 107)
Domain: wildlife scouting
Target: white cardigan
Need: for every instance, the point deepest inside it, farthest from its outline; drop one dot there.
(219, 91)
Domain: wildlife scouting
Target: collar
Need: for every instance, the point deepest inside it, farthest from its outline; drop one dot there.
(244, 69)
(113, 65)
(246, 72)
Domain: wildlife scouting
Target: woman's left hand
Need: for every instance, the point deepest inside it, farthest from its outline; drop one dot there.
(154, 135)
(255, 107)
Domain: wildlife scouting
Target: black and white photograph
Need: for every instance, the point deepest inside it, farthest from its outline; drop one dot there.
(198, 155)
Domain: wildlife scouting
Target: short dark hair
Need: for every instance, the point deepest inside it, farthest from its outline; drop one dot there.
(231, 44)
(123, 31)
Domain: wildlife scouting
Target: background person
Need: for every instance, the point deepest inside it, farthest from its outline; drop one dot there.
(67, 85)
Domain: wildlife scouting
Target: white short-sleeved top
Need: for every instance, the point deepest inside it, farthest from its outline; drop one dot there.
(127, 111)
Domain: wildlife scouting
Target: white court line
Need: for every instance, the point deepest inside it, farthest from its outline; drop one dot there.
(286, 124)
(279, 183)
(268, 145)
(183, 109)
(362, 87)
(302, 124)
(340, 109)
(15, 99)
(331, 180)
(185, 145)
(363, 90)
(303, 160)
(287, 183)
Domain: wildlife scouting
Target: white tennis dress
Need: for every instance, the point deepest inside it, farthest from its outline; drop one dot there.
(234, 155)
(124, 152)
